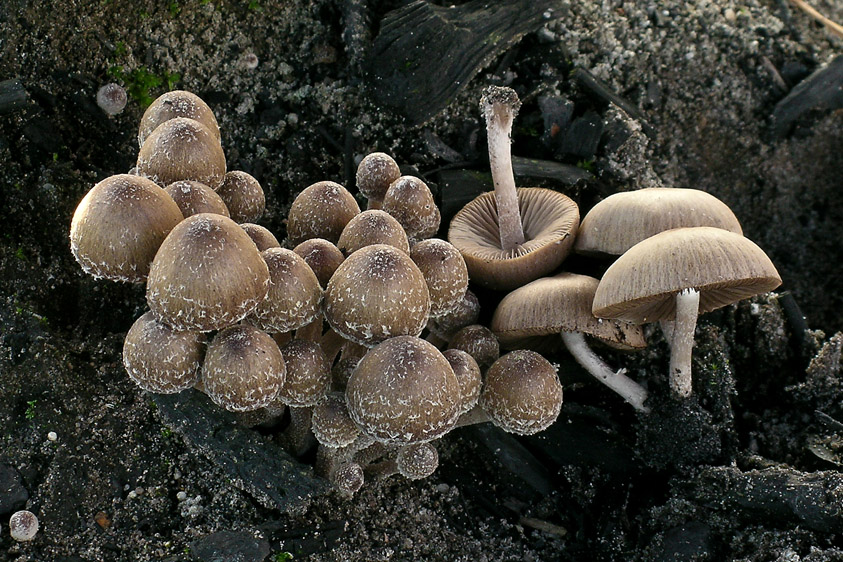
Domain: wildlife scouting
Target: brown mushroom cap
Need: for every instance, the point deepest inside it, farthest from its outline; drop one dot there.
(159, 359)
(331, 424)
(372, 227)
(549, 219)
(119, 225)
(410, 201)
(321, 210)
(444, 272)
(404, 391)
(466, 312)
(322, 256)
(374, 175)
(522, 393)
(723, 266)
(193, 198)
(243, 195)
(243, 370)
(308, 373)
(261, 236)
(468, 375)
(182, 149)
(527, 316)
(479, 342)
(377, 293)
(178, 103)
(620, 221)
(208, 274)
(417, 460)
(294, 295)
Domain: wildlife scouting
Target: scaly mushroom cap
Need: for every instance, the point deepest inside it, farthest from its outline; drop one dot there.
(331, 424)
(404, 391)
(417, 460)
(377, 293)
(243, 195)
(161, 360)
(466, 312)
(321, 210)
(372, 227)
(294, 297)
(468, 375)
(723, 266)
(620, 221)
(550, 220)
(522, 393)
(207, 275)
(532, 316)
(178, 103)
(182, 149)
(261, 236)
(243, 370)
(322, 256)
(308, 373)
(444, 272)
(374, 175)
(410, 201)
(193, 198)
(119, 225)
(479, 342)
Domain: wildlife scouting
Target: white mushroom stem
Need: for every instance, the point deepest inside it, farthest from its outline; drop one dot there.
(627, 388)
(499, 108)
(682, 345)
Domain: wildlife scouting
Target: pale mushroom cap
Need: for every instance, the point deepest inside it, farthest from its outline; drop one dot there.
(444, 272)
(308, 373)
(522, 393)
(331, 424)
(410, 201)
(177, 103)
(243, 370)
(550, 221)
(194, 197)
(375, 294)
(322, 256)
(261, 236)
(182, 149)
(294, 297)
(119, 225)
(375, 173)
(161, 360)
(404, 391)
(321, 210)
(723, 266)
(550, 305)
(208, 274)
(243, 195)
(372, 227)
(620, 221)
(23, 526)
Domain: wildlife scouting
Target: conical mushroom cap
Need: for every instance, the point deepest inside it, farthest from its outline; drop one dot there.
(550, 305)
(321, 210)
(294, 297)
(176, 103)
(207, 275)
(620, 221)
(182, 149)
(550, 220)
(723, 266)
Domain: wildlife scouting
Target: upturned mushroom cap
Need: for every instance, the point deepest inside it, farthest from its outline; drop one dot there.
(479, 342)
(374, 175)
(532, 316)
(322, 256)
(182, 149)
(417, 460)
(372, 227)
(410, 201)
(294, 295)
(193, 198)
(377, 293)
(178, 103)
(261, 236)
(444, 272)
(321, 210)
(331, 424)
(159, 359)
(468, 375)
(308, 374)
(243, 195)
(119, 225)
(404, 391)
(723, 266)
(243, 370)
(620, 221)
(208, 274)
(550, 221)
(522, 393)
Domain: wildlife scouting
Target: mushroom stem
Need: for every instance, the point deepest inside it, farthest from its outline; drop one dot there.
(627, 388)
(499, 107)
(298, 435)
(473, 416)
(682, 345)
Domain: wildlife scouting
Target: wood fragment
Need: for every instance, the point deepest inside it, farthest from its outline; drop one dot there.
(832, 26)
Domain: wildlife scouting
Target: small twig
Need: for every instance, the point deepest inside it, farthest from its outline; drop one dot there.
(832, 26)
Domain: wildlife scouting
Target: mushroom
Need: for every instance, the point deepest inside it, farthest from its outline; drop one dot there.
(466, 312)
(562, 305)
(510, 237)
(403, 391)
(23, 526)
(261, 236)
(372, 227)
(182, 149)
(332, 425)
(377, 293)
(119, 225)
(374, 175)
(321, 210)
(112, 99)
(243, 370)
(410, 201)
(322, 256)
(159, 359)
(620, 221)
(678, 274)
(206, 275)
(294, 295)
(243, 195)
(194, 197)
(177, 103)
(414, 462)
(479, 342)
(444, 271)
(468, 375)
